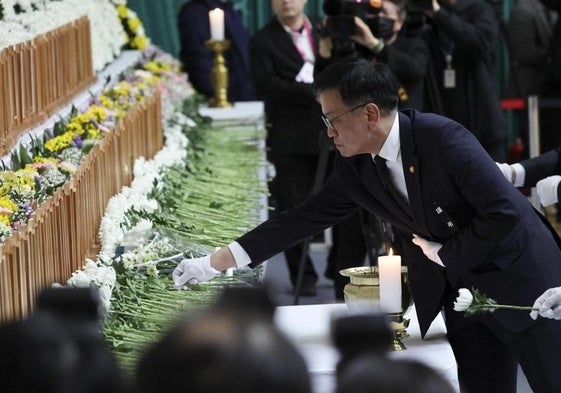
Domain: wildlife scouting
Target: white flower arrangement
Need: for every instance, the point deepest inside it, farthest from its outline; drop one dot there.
(96, 274)
(107, 33)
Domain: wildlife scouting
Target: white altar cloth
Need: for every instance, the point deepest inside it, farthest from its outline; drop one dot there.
(309, 328)
(241, 114)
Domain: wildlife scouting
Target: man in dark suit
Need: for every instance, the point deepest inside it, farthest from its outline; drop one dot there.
(462, 225)
(282, 58)
(463, 39)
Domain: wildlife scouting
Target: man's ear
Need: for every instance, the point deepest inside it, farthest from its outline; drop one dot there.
(373, 112)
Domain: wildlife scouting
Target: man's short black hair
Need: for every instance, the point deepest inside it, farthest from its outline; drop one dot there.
(360, 81)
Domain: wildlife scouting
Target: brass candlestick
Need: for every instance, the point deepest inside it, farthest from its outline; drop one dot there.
(399, 326)
(219, 73)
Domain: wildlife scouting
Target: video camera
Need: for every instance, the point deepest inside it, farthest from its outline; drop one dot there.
(340, 24)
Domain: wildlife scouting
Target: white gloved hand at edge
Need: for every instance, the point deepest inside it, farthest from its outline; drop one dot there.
(547, 190)
(193, 271)
(430, 249)
(549, 304)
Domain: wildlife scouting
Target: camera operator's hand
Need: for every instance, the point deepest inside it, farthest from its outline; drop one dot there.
(435, 8)
(325, 47)
(364, 35)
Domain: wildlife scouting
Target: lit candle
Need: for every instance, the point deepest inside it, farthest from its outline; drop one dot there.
(216, 17)
(389, 270)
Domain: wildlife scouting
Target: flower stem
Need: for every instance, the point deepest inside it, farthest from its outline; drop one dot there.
(510, 307)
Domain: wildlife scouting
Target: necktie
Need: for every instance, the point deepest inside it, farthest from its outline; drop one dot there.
(389, 185)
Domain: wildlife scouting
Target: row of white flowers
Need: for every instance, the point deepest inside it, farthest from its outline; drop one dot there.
(114, 224)
(22, 20)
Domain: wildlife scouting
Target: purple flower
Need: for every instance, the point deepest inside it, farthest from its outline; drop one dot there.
(99, 125)
(77, 142)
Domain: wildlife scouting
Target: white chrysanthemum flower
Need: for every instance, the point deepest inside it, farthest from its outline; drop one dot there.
(464, 300)
(79, 279)
(152, 270)
(105, 296)
(146, 205)
(91, 269)
(67, 167)
(106, 276)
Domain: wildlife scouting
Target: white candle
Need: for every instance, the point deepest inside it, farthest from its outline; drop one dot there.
(389, 270)
(216, 17)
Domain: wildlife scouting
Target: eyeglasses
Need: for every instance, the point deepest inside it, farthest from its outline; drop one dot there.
(329, 123)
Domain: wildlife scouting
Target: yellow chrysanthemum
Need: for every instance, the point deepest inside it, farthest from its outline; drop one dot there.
(97, 112)
(134, 24)
(106, 102)
(82, 118)
(4, 219)
(60, 142)
(139, 42)
(122, 10)
(152, 66)
(41, 160)
(8, 204)
(93, 133)
(75, 127)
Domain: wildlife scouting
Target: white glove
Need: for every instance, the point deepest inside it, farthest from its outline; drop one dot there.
(430, 249)
(549, 303)
(193, 271)
(547, 190)
(506, 170)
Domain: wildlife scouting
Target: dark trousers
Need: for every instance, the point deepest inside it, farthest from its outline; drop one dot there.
(487, 356)
(294, 180)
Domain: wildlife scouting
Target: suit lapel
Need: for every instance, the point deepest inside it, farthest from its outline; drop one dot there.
(284, 43)
(412, 173)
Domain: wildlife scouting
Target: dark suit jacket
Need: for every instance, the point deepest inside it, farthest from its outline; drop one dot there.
(470, 30)
(530, 34)
(408, 58)
(542, 166)
(501, 246)
(293, 114)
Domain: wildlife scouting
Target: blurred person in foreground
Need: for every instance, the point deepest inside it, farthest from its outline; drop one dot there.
(231, 347)
(380, 374)
(461, 224)
(59, 348)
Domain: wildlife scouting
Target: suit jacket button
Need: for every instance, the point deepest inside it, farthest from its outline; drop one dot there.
(412, 169)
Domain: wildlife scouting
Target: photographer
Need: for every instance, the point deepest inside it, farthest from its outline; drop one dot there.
(382, 35)
(463, 42)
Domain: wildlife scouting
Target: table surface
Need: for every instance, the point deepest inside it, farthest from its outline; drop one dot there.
(309, 328)
(248, 113)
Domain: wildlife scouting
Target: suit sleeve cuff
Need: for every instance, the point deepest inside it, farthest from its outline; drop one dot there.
(519, 175)
(240, 255)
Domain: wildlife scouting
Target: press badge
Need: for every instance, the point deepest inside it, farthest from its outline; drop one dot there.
(449, 74)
